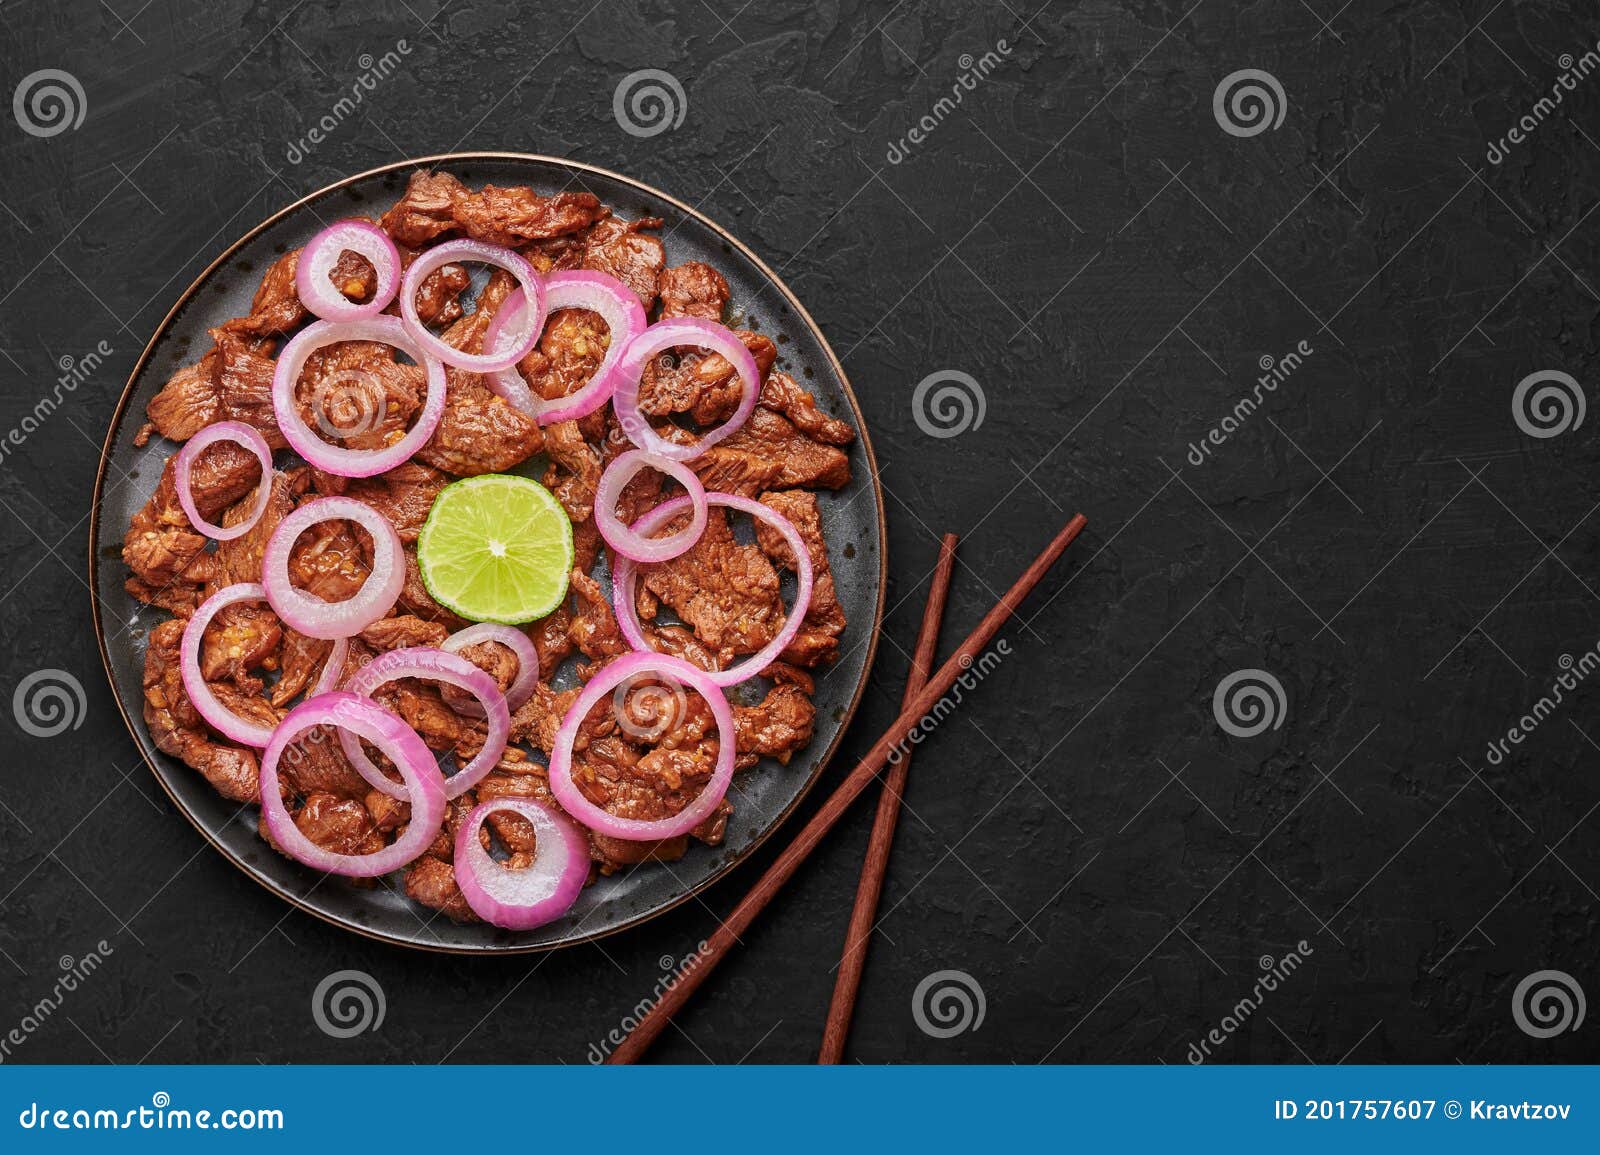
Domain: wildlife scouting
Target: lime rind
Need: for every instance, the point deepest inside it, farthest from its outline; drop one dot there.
(526, 579)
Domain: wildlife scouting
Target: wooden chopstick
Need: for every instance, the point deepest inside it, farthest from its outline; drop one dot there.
(727, 934)
(848, 980)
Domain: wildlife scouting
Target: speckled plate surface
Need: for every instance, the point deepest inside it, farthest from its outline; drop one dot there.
(765, 795)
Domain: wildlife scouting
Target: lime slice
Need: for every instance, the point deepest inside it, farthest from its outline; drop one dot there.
(496, 548)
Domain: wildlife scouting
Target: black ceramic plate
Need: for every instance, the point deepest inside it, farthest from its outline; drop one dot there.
(765, 795)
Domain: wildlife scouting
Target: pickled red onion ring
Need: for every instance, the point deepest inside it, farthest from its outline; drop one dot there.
(622, 539)
(318, 294)
(664, 335)
(521, 688)
(498, 357)
(221, 719)
(312, 616)
(438, 666)
(532, 896)
(332, 667)
(338, 459)
(624, 581)
(240, 434)
(662, 667)
(599, 293)
(424, 788)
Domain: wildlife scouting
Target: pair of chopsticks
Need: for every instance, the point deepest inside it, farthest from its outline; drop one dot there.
(918, 701)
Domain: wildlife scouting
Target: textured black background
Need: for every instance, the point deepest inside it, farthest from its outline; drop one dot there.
(1082, 238)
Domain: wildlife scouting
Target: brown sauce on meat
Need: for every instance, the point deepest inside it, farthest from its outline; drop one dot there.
(713, 606)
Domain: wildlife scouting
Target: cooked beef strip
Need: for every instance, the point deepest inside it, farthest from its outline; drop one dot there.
(715, 826)
(725, 591)
(244, 386)
(300, 665)
(782, 394)
(328, 561)
(239, 559)
(180, 598)
(479, 432)
(315, 763)
(438, 203)
(402, 632)
(615, 853)
(625, 251)
(415, 598)
(721, 389)
(276, 307)
(594, 627)
(703, 385)
(176, 728)
(613, 775)
(768, 453)
(692, 290)
(188, 402)
(681, 643)
(243, 698)
(420, 707)
(232, 382)
(356, 395)
(515, 216)
(424, 213)
(389, 814)
(431, 880)
(785, 674)
(552, 641)
(160, 544)
(496, 660)
(439, 295)
(242, 637)
(586, 543)
(404, 495)
(339, 825)
(537, 719)
(433, 883)
(571, 348)
(779, 726)
(818, 639)
(574, 470)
